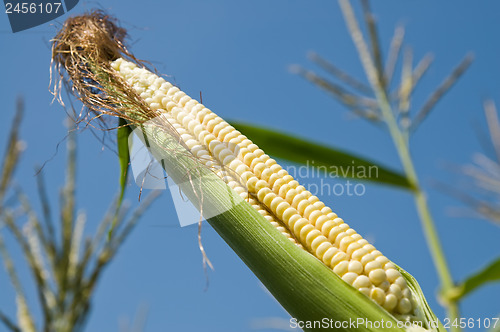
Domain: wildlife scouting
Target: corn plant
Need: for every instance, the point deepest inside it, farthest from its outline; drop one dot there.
(376, 103)
(482, 193)
(302, 251)
(65, 264)
(482, 197)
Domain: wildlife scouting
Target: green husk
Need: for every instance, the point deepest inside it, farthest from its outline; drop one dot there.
(424, 311)
(304, 286)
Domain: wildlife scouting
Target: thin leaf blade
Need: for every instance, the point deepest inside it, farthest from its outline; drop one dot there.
(122, 134)
(490, 273)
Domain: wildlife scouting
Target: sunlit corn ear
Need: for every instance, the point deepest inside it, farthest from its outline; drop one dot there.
(298, 214)
(316, 260)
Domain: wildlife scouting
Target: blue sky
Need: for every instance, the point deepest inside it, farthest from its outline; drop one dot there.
(237, 54)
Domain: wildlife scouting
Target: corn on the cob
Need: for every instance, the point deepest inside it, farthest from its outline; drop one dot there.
(297, 214)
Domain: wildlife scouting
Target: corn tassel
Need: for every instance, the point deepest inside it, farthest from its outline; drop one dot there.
(256, 177)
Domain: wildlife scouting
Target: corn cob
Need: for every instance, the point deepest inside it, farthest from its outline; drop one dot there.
(205, 157)
(292, 209)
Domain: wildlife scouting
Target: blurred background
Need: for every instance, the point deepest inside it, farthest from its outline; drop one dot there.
(237, 55)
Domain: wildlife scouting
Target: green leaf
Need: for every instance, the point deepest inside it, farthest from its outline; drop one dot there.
(325, 158)
(490, 273)
(122, 135)
(13, 151)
